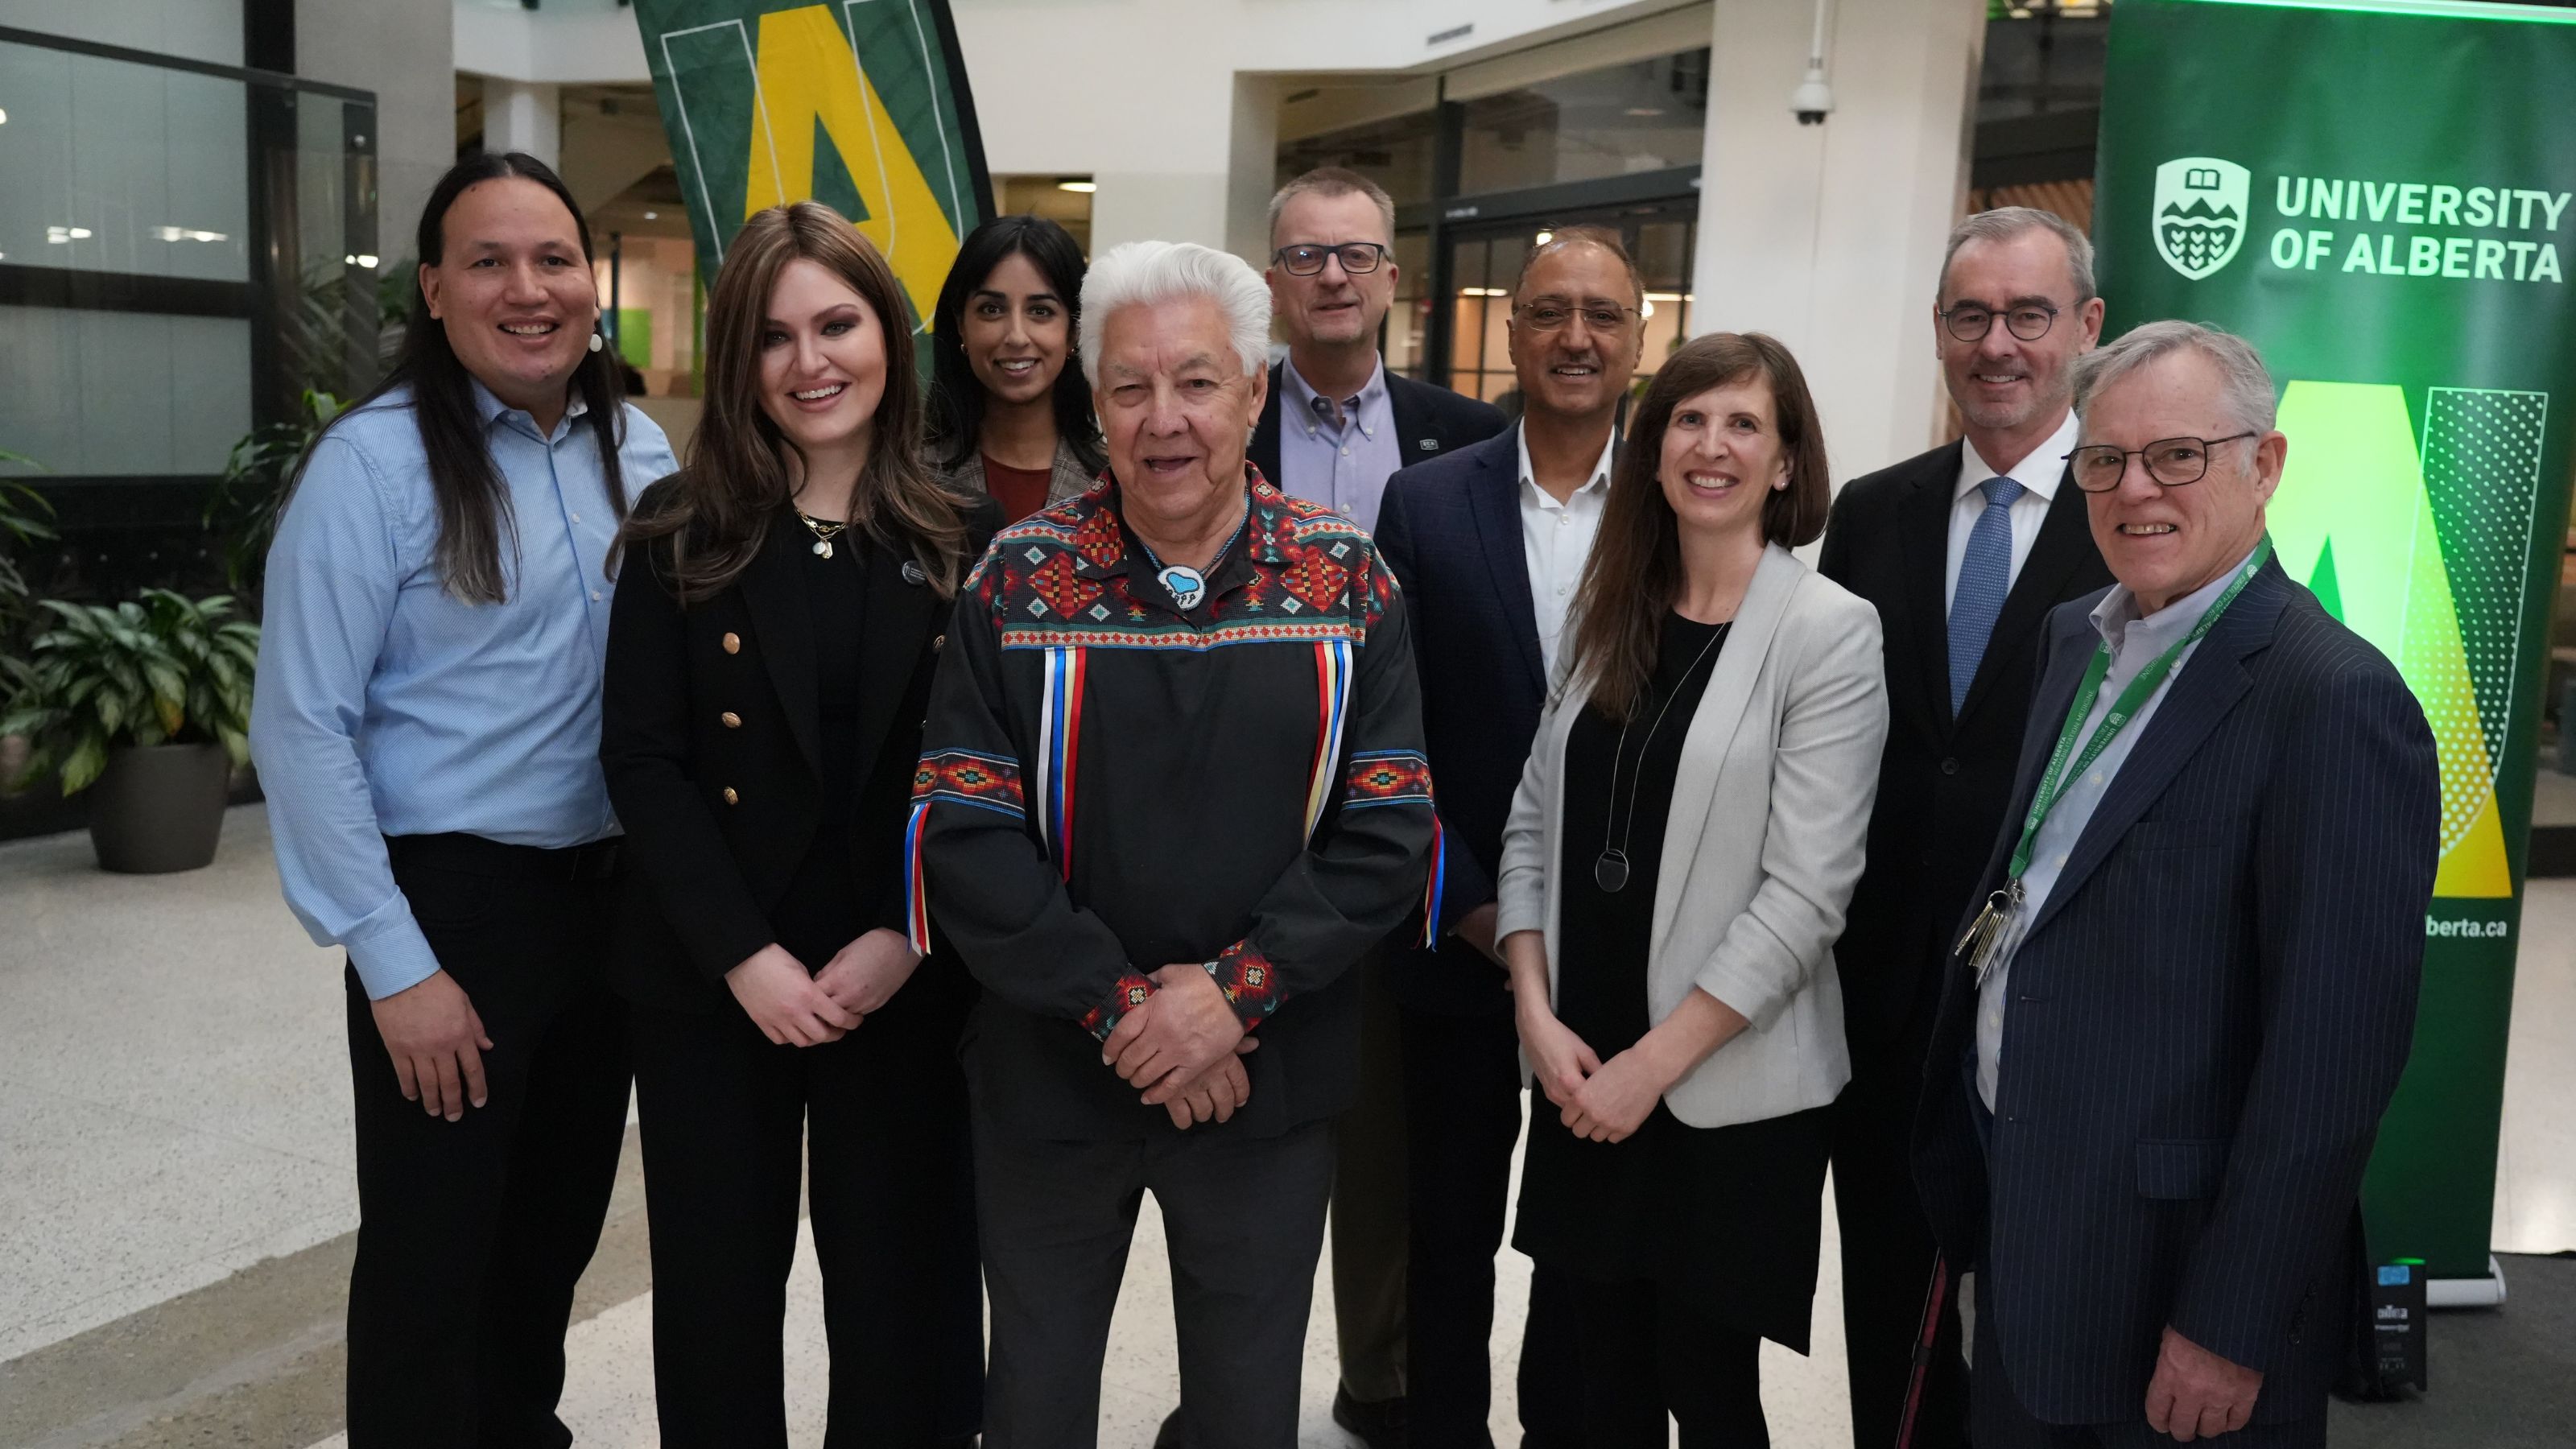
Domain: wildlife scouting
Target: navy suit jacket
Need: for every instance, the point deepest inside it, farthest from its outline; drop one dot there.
(1451, 530)
(2207, 1017)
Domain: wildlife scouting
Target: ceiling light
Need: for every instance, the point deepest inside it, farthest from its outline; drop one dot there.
(1644, 111)
(1663, 296)
(367, 260)
(652, 216)
(1647, 310)
(1482, 292)
(4, 118)
(1545, 237)
(1082, 187)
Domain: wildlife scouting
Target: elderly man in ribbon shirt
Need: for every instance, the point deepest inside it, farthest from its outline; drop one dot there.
(1172, 790)
(2187, 988)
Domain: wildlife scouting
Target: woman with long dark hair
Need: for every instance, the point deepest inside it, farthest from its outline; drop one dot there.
(780, 606)
(426, 726)
(1685, 839)
(1010, 415)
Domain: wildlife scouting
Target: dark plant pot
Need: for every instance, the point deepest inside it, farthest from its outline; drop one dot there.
(159, 808)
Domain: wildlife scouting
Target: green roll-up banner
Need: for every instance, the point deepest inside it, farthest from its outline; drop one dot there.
(2377, 195)
(859, 104)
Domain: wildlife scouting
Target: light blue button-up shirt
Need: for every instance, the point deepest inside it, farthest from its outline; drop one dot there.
(1338, 452)
(2135, 643)
(386, 706)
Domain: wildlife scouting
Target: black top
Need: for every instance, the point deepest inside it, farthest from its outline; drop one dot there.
(1726, 1216)
(820, 912)
(1113, 784)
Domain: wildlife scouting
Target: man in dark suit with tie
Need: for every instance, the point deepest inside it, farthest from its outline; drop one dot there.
(1336, 427)
(1964, 550)
(1488, 544)
(2162, 1056)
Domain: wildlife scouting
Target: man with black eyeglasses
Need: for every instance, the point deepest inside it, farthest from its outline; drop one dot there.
(1964, 550)
(1338, 423)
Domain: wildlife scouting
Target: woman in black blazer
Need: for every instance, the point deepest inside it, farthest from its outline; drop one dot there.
(780, 605)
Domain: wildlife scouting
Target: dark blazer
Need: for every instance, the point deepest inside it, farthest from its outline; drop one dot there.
(1451, 529)
(710, 731)
(1428, 421)
(1942, 781)
(2207, 1016)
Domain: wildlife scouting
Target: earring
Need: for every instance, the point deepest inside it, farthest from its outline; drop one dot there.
(597, 342)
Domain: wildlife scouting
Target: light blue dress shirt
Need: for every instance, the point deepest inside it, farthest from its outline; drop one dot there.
(386, 706)
(2135, 643)
(1337, 452)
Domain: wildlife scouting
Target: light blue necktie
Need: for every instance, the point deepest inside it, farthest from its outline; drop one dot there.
(1985, 576)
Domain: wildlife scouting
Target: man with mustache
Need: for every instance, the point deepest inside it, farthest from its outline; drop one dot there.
(1337, 424)
(1964, 550)
(1489, 543)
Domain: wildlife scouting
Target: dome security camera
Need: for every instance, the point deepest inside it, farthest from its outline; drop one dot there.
(1813, 100)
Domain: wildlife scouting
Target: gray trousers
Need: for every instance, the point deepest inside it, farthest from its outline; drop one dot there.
(1243, 1217)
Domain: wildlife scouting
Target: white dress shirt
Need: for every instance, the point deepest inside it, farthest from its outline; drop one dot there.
(2038, 475)
(1557, 537)
(2135, 643)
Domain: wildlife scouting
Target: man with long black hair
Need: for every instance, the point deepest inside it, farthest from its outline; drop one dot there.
(427, 730)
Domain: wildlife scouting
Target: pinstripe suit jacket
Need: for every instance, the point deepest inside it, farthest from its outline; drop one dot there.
(2207, 1017)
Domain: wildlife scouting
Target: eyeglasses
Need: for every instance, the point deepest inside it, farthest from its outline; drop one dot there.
(2173, 462)
(1552, 316)
(1305, 260)
(1969, 322)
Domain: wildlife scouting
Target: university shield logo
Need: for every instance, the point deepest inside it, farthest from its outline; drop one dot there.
(2200, 213)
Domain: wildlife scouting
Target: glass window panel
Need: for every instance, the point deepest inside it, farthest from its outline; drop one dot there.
(1643, 116)
(111, 166)
(1394, 153)
(123, 392)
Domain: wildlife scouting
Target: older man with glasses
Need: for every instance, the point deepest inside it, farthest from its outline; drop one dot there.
(1336, 426)
(2188, 987)
(1964, 550)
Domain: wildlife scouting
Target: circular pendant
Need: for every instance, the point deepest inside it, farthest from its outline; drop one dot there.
(1610, 872)
(822, 548)
(1185, 583)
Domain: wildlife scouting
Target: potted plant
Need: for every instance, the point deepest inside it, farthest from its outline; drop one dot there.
(150, 701)
(23, 520)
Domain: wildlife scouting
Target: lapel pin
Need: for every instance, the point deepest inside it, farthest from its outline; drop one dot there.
(1430, 445)
(913, 574)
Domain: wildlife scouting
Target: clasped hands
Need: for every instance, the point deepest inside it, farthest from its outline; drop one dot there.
(794, 1008)
(1185, 1046)
(1596, 1100)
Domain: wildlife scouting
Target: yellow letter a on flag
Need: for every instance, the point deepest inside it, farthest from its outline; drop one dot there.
(810, 73)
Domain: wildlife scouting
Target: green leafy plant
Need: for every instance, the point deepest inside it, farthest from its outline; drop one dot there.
(162, 669)
(243, 506)
(24, 518)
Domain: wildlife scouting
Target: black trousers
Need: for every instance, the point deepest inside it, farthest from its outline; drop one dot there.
(2000, 1421)
(1888, 1251)
(1462, 1086)
(472, 1234)
(1647, 1353)
(1244, 1220)
(874, 1125)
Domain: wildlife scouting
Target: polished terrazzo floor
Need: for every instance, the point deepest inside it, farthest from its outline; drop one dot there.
(175, 1194)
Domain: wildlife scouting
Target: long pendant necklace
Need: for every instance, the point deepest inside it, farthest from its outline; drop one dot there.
(1610, 871)
(1188, 585)
(824, 531)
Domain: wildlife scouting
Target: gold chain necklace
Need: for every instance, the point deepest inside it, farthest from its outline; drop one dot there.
(824, 531)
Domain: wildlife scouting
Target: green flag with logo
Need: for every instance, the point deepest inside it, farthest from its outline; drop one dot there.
(859, 104)
(2377, 195)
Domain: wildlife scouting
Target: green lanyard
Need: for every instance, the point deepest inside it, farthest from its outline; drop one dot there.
(2053, 784)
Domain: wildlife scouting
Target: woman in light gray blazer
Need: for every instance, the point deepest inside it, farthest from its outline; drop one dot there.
(1686, 836)
(1008, 412)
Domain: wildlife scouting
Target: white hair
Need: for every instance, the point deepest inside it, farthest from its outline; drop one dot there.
(1155, 272)
(2244, 384)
